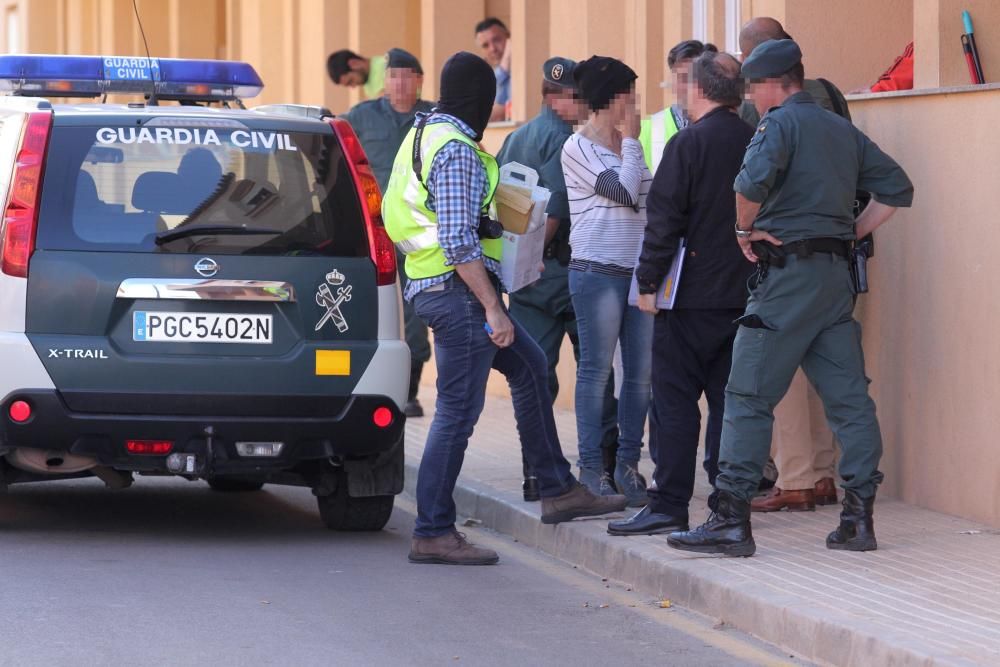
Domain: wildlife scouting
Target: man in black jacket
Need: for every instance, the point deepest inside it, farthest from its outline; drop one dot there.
(691, 199)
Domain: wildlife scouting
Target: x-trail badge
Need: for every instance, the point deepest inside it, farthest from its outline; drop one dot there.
(206, 267)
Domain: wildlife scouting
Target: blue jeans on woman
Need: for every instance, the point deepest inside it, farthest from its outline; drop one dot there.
(604, 318)
(464, 355)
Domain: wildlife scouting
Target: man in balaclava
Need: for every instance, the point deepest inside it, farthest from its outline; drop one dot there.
(441, 188)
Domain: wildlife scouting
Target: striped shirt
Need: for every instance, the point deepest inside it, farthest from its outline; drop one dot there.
(456, 185)
(607, 200)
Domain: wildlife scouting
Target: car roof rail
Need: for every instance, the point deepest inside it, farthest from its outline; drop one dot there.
(300, 110)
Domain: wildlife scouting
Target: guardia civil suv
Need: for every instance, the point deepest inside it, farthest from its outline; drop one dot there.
(192, 288)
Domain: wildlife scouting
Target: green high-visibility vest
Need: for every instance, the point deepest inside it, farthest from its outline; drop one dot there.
(655, 132)
(410, 224)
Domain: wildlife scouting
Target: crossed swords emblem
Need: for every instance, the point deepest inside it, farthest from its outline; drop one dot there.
(326, 299)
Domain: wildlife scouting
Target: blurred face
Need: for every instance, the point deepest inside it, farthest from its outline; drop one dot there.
(357, 76)
(492, 43)
(402, 86)
(681, 77)
(622, 105)
(568, 106)
(766, 94)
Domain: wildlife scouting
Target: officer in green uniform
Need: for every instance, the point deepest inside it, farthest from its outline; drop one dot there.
(794, 199)
(381, 126)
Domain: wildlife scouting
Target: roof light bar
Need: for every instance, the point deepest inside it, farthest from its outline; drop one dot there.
(91, 76)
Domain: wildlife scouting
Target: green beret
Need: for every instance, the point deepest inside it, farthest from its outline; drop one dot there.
(559, 71)
(771, 59)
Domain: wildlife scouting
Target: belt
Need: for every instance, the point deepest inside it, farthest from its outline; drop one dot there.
(455, 280)
(775, 255)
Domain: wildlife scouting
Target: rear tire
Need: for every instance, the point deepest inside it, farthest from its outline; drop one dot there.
(340, 511)
(227, 485)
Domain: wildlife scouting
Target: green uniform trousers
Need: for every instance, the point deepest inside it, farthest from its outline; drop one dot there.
(544, 308)
(414, 329)
(804, 317)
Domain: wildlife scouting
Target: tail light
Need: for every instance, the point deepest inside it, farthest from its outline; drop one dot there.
(149, 447)
(383, 253)
(382, 417)
(20, 219)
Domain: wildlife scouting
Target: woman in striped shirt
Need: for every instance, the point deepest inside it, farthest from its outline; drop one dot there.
(607, 181)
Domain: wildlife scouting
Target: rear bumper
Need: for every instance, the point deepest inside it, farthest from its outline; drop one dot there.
(349, 434)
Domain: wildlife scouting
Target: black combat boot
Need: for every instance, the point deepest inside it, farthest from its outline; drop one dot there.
(530, 486)
(856, 531)
(413, 407)
(727, 530)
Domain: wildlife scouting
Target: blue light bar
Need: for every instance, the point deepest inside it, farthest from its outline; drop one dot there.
(164, 78)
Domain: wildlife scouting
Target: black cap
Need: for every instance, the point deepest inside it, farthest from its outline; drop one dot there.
(403, 59)
(771, 59)
(559, 71)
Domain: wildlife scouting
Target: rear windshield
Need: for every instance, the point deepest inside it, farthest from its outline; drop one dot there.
(186, 188)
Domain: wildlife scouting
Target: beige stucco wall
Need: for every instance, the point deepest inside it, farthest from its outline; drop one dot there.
(932, 317)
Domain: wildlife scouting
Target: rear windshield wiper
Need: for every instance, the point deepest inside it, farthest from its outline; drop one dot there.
(212, 230)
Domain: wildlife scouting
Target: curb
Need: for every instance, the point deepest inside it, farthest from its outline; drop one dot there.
(710, 585)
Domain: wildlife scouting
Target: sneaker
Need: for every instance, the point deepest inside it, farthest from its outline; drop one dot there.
(631, 484)
(579, 501)
(450, 549)
(413, 409)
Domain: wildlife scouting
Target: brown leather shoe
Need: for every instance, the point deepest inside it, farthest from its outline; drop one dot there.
(776, 499)
(450, 549)
(826, 492)
(577, 502)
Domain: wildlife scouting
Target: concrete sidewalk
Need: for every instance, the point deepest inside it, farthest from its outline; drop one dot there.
(929, 595)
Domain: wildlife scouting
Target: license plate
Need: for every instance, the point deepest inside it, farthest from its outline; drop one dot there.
(201, 328)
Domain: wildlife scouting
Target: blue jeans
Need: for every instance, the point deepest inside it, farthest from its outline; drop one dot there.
(464, 355)
(604, 318)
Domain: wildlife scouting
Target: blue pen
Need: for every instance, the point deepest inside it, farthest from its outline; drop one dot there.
(488, 328)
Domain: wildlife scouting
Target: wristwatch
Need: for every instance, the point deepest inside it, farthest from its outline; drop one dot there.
(743, 233)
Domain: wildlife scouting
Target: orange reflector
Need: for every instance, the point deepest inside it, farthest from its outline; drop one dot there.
(333, 362)
(149, 447)
(20, 411)
(382, 417)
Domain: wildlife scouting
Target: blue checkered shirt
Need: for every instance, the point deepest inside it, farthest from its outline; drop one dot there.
(456, 186)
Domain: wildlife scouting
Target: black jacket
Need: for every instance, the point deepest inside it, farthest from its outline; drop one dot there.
(692, 197)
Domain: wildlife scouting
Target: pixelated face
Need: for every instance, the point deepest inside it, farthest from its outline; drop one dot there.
(681, 79)
(568, 105)
(402, 85)
(492, 43)
(622, 105)
(765, 93)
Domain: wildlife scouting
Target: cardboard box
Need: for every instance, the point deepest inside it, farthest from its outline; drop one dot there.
(520, 201)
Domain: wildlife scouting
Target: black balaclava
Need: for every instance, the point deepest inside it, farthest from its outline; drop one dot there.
(468, 88)
(600, 78)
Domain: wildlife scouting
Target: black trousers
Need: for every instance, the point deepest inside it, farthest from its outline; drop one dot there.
(692, 354)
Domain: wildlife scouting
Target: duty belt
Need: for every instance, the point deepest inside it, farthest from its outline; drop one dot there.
(773, 255)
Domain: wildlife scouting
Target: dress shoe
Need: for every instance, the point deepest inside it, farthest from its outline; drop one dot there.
(775, 500)
(413, 409)
(727, 530)
(450, 549)
(856, 531)
(826, 492)
(579, 501)
(530, 490)
(648, 522)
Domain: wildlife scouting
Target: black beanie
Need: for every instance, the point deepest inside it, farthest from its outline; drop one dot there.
(600, 78)
(468, 88)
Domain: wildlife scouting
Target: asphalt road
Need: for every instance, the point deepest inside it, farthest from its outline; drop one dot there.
(169, 572)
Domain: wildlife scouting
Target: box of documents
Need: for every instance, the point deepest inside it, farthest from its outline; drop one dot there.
(666, 296)
(520, 201)
(521, 205)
